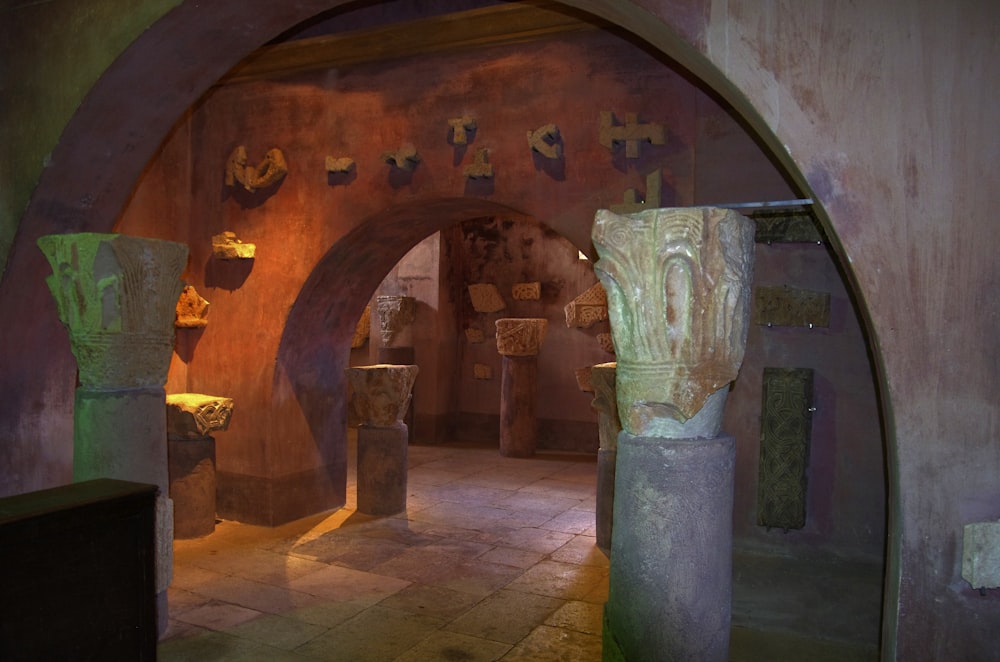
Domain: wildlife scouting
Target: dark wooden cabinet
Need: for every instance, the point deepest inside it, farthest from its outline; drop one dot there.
(77, 578)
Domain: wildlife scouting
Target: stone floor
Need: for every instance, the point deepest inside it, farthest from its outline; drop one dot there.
(493, 560)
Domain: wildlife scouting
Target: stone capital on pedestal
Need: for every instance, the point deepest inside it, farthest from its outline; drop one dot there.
(520, 336)
(117, 297)
(678, 288)
(395, 315)
(196, 416)
(381, 393)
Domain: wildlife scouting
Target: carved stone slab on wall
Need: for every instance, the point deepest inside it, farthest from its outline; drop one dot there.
(342, 164)
(545, 140)
(475, 335)
(227, 246)
(404, 158)
(192, 309)
(486, 298)
(785, 433)
(786, 227)
(634, 202)
(482, 168)
(606, 342)
(790, 306)
(632, 133)
(268, 172)
(482, 371)
(583, 379)
(587, 308)
(462, 128)
(526, 291)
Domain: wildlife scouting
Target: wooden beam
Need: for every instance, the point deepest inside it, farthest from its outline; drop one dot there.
(478, 28)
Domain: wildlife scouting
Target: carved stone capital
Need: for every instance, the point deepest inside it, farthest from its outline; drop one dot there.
(117, 297)
(520, 336)
(678, 287)
(602, 379)
(381, 393)
(395, 315)
(196, 416)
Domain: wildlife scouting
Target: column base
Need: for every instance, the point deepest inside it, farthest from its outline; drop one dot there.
(192, 486)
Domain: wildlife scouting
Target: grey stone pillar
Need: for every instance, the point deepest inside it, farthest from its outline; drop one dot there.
(117, 297)
(380, 397)
(518, 340)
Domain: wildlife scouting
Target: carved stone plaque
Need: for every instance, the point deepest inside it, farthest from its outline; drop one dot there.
(606, 342)
(631, 134)
(475, 335)
(786, 227)
(785, 432)
(486, 298)
(482, 371)
(587, 308)
(521, 336)
(526, 291)
(790, 306)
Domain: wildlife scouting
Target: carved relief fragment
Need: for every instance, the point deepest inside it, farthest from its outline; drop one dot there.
(633, 202)
(380, 393)
(461, 129)
(482, 371)
(363, 328)
(395, 313)
(545, 140)
(583, 379)
(486, 298)
(475, 335)
(678, 287)
(786, 227)
(526, 291)
(790, 306)
(631, 134)
(196, 416)
(404, 158)
(482, 168)
(267, 173)
(192, 309)
(587, 308)
(227, 246)
(606, 342)
(520, 336)
(340, 165)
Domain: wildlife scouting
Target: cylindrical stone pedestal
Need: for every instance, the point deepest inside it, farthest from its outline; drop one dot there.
(192, 486)
(382, 457)
(670, 588)
(605, 501)
(518, 397)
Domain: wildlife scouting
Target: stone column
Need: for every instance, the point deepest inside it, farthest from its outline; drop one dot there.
(518, 340)
(117, 298)
(602, 379)
(191, 450)
(678, 287)
(395, 320)
(381, 394)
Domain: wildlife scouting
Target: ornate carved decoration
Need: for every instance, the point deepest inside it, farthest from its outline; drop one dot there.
(606, 342)
(632, 133)
(786, 227)
(583, 379)
(227, 246)
(482, 168)
(486, 298)
(340, 165)
(520, 336)
(678, 286)
(267, 173)
(526, 291)
(461, 129)
(602, 379)
(196, 416)
(632, 202)
(117, 297)
(363, 328)
(790, 306)
(785, 433)
(545, 140)
(475, 335)
(380, 393)
(482, 371)
(404, 158)
(395, 313)
(587, 308)
(192, 309)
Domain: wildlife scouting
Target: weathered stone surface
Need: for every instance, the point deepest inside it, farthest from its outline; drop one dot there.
(381, 393)
(268, 172)
(785, 434)
(342, 164)
(481, 168)
(545, 140)
(678, 286)
(587, 308)
(482, 371)
(632, 133)
(520, 336)
(786, 226)
(227, 246)
(404, 158)
(382, 458)
(791, 306)
(196, 416)
(606, 342)
(192, 309)
(363, 328)
(583, 379)
(634, 202)
(981, 554)
(526, 291)
(395, 315)
(461, 129)
(486, 298)
(602, 381)
(475, 335)
(117, 297)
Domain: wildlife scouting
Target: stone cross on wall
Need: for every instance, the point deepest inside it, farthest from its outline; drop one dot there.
(631, 203)
(631, 133)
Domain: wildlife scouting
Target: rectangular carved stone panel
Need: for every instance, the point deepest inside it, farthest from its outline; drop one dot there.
(785, 432)
(786, 227)
(790, 306)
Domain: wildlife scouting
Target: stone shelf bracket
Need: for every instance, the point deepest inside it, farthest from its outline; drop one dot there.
(268, 172)
(404, 158)
(545, 140)
(632, 133)
(632, 203)
(463, 129)
(481, 168)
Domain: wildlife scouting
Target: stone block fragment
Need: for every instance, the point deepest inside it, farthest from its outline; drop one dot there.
(192, 309)
(791, 306)
(395, 315)
(520, 336)
(486, 298)
(196, 416)
(634, 202)
(981, 555)
(545, 140)
(583, 379)
(227, 246)
(481, 168)
(268, 172)
(404, 158)
(475, 335)
(462, 128)
(339, 165)
(526, 291)
(606, 342)
(482, 371)
(587, 308)
(631, 134)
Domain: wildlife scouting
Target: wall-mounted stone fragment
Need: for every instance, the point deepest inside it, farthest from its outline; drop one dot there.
(227, 246)
(526, 291)
(481, 168)
(462, 129)
(363, 328)
(404, 158)
(192, 309)
(606, 342)
(587, 308)
(583, 379)
(545, 140)
(196, 416)
(395, 315)
(267, 173)
(633, 202)
(340, 165)
(486, 298)
(482, 371)
(790, 306)
(786, 227)
(981, 555)
(632, 133)
(521, 336)
(475, 335)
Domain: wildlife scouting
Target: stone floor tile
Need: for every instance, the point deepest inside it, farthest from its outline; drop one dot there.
(278, 631)
(346, 584)
(536, 540)
(191, 577)
(537, 502)
(573, 521)
(375, 635)
(559, 488)
(581, 550)
(426, 475)
(437, 601)
(477, 577)
(505, 616)
(254, 595)
(519, 558)
(327, 613)
(180, 600)
(549, 644)
(221, 647)
(216, 615)
(559, 580)
(583, 617)
(453, 647)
